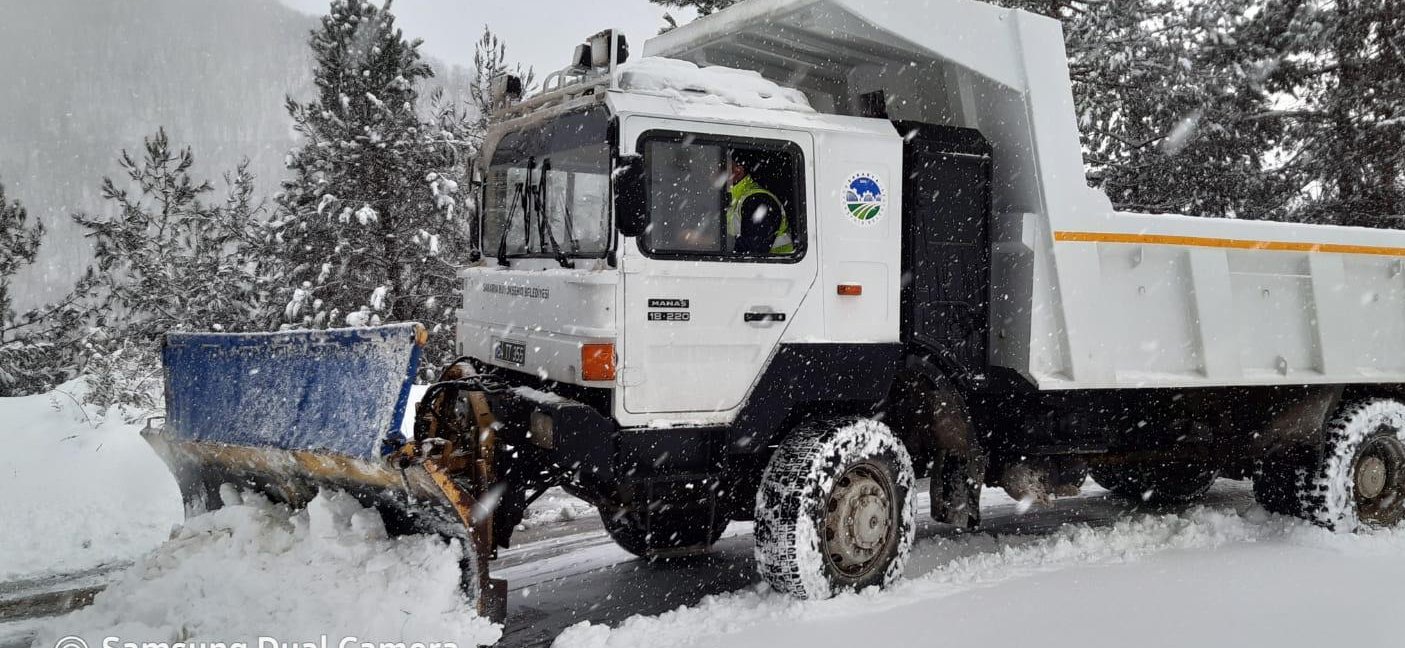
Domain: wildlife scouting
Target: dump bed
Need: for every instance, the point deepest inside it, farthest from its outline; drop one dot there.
(1082, 296)
(1154, 300)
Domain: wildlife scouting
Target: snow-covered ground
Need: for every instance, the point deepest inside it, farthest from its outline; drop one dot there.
(81, 492)
(1087, 573)
(1205, 577)
(556, 507)
(77, 491)
(256, 570)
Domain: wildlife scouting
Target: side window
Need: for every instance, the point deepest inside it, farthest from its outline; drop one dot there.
(723, 199)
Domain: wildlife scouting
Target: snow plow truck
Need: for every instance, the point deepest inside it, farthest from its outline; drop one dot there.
(940, 295)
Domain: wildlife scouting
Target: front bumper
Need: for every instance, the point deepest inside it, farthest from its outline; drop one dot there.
(565, 432)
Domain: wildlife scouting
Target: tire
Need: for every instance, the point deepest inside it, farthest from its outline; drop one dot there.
(822, 483)
(670, 533)
(1157, 484)
(1358, 480)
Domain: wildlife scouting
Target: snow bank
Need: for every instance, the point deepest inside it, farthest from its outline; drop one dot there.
(555, 506)
(1150, 577)
(77, 491)
(254, 569)
(714, 84)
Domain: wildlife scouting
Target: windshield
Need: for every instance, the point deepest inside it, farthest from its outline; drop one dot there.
(549, 186)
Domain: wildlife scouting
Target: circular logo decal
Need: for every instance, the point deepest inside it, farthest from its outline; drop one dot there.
(864, 198)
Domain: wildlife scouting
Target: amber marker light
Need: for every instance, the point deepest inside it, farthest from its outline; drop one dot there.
(598, 361)
(850, 289)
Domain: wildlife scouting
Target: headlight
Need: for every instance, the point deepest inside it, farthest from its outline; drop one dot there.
(542, 430)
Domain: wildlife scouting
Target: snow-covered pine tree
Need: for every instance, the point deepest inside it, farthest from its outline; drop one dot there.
(21, 356)
(169, 258)
(470, 123)
(19, 244)
(453, 132)
(34, 346)
(490, 61)
(1345, 106)
(369, 221)
(1170, 110)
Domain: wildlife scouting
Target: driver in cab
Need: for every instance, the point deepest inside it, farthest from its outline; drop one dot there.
(756, 222)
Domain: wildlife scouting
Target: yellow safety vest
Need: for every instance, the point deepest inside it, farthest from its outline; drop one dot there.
(747, 188)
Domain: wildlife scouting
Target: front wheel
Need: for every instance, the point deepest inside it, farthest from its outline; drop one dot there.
(835, 509)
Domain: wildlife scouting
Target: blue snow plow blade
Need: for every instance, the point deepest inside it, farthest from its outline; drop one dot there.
(289, 414)
(340, 391)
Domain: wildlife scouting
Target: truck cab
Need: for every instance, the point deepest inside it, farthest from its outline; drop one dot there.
(693, 318)
(660, 359)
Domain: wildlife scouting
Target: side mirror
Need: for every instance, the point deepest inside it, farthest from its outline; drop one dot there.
(631, 196)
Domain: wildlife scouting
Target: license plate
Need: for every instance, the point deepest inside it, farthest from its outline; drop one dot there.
(510, 352)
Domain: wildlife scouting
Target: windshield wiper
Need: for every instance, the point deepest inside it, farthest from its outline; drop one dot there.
(545, 233)
(571, 229)
(532, 197)
(569, 220)
(523, 196)
(527, 206)
(517, 195)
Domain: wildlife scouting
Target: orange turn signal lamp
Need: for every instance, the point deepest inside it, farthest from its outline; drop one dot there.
(598, 361)
(850, 289)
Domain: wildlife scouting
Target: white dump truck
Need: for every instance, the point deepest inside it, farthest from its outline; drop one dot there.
(803, 253)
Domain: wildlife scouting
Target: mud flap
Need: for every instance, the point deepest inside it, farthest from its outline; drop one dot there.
(956, 489)
(288, 414)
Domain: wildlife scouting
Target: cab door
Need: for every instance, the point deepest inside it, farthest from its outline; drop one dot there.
(701, 318)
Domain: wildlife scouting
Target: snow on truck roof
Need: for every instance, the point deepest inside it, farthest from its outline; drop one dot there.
(664, 86)
(719, 85)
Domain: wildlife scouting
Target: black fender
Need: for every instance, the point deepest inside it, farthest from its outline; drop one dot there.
(802, 377)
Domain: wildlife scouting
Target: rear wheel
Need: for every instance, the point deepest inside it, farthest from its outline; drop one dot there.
(1157, 483)
(835, 509)
(668, 533)
(1359, 477)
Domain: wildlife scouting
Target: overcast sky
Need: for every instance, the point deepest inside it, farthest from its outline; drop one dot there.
(540, 33)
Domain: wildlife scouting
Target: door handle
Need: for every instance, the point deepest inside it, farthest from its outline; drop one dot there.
(762, 317)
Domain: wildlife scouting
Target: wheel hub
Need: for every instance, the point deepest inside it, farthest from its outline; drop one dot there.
(1370, 477)
(1379, 474)
(858, 520)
